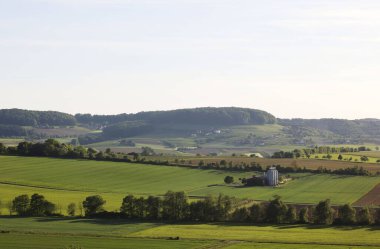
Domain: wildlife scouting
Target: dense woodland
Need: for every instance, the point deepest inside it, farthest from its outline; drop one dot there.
(35, 118)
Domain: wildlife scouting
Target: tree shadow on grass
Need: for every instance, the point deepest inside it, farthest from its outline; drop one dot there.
(98, 221)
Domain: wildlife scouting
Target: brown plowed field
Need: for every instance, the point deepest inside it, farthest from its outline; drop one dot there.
(371, 198)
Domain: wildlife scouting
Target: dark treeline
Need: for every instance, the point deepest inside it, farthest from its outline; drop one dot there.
(35, 118)
(52, 148)
(257, 167)
(318, 150)
(341, 127)
(12, 131)
(175, 207)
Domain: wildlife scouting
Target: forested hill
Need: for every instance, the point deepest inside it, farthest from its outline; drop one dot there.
(198, 116)
(185, 122)
(20, 117)
(343, 127)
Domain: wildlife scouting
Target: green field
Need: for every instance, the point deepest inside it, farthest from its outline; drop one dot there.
(36, 233)
(63, 181)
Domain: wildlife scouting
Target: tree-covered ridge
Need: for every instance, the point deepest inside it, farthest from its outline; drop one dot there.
(35, 118)
(341, 127)
(197, 116)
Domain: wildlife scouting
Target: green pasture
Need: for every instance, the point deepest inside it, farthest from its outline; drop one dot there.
(36, 241)
(33, 233)
(282, 234)
(64, 181)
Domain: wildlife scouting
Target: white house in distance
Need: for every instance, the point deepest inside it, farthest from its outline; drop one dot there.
(271, 176)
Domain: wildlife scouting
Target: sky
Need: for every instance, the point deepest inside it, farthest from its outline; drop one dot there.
(292, 58)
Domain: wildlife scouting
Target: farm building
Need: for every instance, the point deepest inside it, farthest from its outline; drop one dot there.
(271, 176)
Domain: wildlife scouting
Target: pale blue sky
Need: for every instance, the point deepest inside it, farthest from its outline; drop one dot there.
(292, 58)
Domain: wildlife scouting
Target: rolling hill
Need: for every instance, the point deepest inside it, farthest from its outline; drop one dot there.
(198, 130)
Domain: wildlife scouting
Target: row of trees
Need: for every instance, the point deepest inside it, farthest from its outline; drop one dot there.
(277, 212)
(257, 167)
(297, 153)
(175, 206)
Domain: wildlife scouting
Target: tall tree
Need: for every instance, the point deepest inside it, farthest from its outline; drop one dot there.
(175, 206)
(304, 215)
(347, 214)
(276, 210)
(153, 208)
(323, 213)
(128, 207)
(364, 216)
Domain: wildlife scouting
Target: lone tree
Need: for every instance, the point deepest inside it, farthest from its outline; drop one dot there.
(340, 157)
(93, 204)
(228, 179)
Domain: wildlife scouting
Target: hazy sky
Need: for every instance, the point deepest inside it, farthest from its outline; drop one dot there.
(292, 58)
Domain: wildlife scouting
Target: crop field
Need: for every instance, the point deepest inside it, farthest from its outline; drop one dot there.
(355, 157)
(371, 198)
(33, 233)
(63, 181)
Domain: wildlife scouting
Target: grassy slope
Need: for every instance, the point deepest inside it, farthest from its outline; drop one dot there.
(63, 181)
(57, 233)
(22, 241)
(270, 234)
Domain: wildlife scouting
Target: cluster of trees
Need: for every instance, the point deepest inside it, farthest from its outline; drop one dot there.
(49, 148)
(20, 117)
(36, 205)
(175, 206)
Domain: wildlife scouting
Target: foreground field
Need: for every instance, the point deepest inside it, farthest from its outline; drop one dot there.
(63, 181)
(33, 233)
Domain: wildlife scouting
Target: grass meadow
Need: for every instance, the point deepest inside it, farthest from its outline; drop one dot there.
(33, 233)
